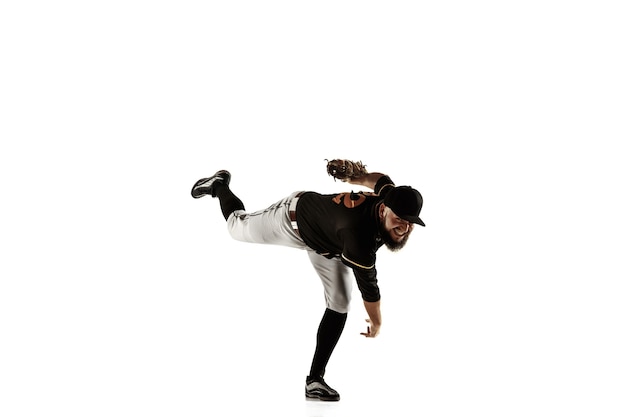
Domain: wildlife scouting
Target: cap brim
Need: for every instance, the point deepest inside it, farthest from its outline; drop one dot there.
(413, 219)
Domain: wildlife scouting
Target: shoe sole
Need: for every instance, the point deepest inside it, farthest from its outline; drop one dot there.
(315, 397)
(198, 184)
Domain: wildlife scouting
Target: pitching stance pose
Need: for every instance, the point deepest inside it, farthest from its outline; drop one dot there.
(340, 232)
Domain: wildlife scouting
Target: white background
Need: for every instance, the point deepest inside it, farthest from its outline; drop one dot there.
(121, 295)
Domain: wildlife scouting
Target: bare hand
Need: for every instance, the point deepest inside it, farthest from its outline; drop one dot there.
(372, 329)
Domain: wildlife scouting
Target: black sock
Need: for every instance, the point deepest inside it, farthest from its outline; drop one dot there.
(229, 202)
(328, 334)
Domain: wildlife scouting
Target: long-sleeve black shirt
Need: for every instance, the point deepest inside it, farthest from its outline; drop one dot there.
(346, 225)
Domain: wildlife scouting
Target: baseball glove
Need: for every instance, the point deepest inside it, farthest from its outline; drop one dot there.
(344, 169)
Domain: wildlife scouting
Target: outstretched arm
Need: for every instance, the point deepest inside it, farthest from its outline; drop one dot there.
(368, 180)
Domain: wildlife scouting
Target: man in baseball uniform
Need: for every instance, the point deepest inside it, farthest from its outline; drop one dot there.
(341, 234)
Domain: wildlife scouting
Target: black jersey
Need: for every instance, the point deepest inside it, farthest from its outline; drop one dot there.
(346, 225)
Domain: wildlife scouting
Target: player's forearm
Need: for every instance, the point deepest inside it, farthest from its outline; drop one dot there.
(369, 180)
(373, 311)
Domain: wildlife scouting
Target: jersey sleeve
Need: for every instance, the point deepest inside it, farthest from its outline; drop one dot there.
(383, 185)
(363, 263)
(367, 283)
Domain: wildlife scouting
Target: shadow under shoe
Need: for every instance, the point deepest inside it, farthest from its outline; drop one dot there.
(205, 186)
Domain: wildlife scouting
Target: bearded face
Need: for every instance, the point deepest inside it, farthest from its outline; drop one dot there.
(394, 230)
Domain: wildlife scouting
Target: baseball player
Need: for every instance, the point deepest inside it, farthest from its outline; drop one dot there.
(341, 234)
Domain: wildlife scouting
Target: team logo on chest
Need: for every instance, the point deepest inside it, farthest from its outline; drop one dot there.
(351, 199)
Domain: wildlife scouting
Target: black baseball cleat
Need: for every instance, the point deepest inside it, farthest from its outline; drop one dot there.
(318, 389)
(206, 186)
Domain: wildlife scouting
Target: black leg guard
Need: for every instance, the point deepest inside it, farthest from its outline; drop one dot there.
(229, 202)
(328, 335)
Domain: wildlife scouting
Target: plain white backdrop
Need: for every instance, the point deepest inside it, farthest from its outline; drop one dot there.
(121, 295)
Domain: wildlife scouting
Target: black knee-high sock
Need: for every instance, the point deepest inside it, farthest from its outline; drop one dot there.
(229, 202)
(328, 334)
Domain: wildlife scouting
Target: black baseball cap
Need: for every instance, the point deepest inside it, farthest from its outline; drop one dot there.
(406, 202)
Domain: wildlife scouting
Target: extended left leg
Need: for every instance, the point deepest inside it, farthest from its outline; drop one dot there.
(337, 283)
